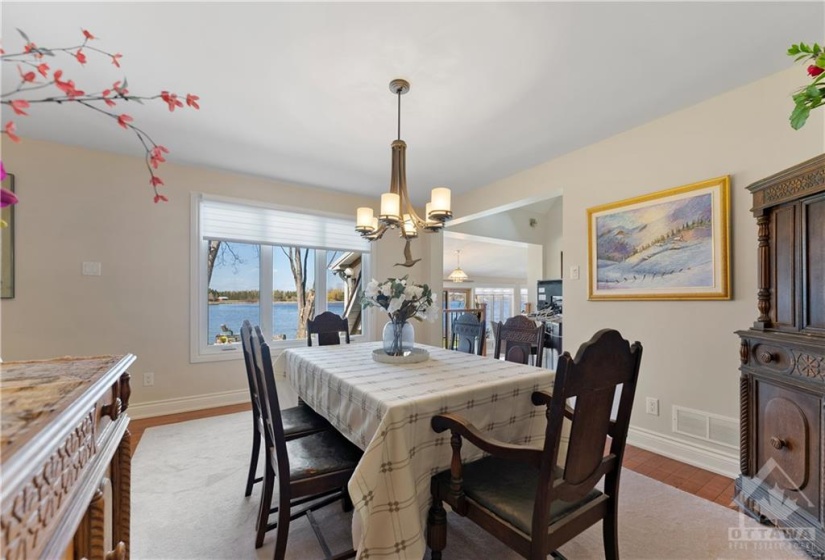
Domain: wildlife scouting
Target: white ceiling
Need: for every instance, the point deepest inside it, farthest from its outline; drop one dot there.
(299, 92)
(485, 259)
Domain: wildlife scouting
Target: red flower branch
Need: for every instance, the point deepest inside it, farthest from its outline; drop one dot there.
(35, 77)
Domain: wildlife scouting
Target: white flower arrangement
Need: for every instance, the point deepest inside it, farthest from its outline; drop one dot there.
(402, 299)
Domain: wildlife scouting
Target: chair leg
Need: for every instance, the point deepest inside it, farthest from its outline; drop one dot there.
(283, 526)
(253, 462)
(437, 529)
(610, 534)
(263, 510)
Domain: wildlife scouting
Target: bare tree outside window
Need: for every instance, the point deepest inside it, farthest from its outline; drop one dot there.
(305, 297)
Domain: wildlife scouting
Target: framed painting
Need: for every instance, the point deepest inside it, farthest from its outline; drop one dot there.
(667, 245)
(7, 245)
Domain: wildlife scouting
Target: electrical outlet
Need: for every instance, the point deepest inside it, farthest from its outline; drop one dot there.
(90, 268)
(652, 406)
(574, 272)
(148, 379)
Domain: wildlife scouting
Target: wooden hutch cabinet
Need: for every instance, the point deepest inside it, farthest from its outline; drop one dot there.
(782, 383)
(66, 459)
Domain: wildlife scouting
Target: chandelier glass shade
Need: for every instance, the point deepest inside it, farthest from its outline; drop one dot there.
(396, 211)
(458, 275)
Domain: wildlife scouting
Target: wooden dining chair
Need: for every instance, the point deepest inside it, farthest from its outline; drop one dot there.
(298, 421)
(519, 338)
(468, 334)
(518, 493)
(310, 471)
(328, 327)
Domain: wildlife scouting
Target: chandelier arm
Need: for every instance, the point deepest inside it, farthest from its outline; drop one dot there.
(406, 203)
(410, 209)
(377, 234)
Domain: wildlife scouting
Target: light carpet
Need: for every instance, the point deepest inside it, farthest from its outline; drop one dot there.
(187, 502)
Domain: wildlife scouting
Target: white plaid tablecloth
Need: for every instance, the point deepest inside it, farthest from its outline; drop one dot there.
(386, 410)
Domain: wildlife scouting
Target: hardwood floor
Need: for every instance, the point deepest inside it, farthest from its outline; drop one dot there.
(693, 480)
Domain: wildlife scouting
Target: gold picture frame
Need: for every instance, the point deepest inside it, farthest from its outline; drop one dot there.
(667, 245)
(7, 245)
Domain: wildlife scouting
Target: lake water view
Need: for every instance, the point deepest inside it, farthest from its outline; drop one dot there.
(284, 317)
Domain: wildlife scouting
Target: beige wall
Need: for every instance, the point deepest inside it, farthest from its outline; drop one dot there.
(81, 205)
(389, 251)
(690, 351)
(554, 240)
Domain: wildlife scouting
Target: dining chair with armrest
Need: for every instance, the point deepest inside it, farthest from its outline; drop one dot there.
(328, 327)
(310, 471)
(468, 334)
(298, 421)
(518, 493)
(519, 337)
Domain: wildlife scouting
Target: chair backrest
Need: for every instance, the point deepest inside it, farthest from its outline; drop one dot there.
(520, 337)
(270, 405)
(328, 327)
(246, 344)
(601, 365)
(468, 334)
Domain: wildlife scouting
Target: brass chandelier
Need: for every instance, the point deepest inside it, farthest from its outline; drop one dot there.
(396, 207)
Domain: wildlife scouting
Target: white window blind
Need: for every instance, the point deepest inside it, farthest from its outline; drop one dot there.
(252, 223)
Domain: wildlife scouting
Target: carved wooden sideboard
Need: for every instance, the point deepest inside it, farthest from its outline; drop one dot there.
(66, 458)
(782, 383)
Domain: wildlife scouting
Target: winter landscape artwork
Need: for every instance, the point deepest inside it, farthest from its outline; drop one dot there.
(670, 244)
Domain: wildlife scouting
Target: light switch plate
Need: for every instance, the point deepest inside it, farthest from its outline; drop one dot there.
(574, 272)
(91, 268)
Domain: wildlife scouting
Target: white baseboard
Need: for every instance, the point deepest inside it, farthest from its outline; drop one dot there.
(691, 453)
(187, 404)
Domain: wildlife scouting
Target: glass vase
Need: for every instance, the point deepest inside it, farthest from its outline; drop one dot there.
(399, 338)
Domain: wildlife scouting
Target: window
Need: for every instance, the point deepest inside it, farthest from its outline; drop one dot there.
(248, 265)
(234, 290)
(499, 303)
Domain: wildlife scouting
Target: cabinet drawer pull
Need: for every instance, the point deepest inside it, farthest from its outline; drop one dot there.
(778, 443)
(767, 357)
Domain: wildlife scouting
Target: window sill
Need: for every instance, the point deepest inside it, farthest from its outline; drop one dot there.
(231, 352)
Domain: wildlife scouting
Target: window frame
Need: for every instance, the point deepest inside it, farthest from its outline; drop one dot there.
(200, 350)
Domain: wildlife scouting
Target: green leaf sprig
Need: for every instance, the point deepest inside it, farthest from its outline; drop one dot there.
(812, 95)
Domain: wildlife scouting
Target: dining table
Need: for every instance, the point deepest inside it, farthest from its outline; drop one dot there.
(386, 409)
